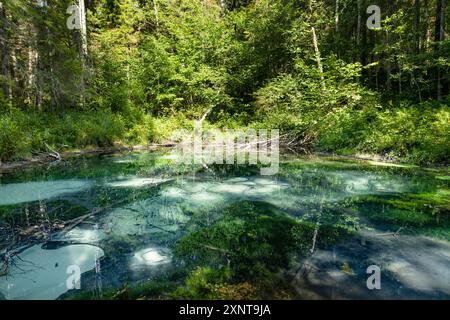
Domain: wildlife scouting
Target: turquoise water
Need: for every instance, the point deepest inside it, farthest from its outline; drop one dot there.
(155, 229)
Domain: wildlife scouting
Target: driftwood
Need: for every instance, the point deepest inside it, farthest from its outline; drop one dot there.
(214, 248)
(316, 230)
(303, 270)
(77, 221)
(52, 153)
(394, 234)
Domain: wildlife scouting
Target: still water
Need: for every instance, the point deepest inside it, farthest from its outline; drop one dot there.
(137, 225)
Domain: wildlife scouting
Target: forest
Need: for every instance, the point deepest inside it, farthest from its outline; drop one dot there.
(130, 72)
(96, 204)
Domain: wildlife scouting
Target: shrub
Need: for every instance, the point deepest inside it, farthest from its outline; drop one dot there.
(13, 140)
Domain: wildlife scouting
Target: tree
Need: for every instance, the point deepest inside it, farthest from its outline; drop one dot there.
(84, 49)
(417, 24)
(4, 53)
(316, 46)
(439, 37)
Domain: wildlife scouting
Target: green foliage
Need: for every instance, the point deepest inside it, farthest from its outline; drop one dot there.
(296, 103)
(420, 133)
(211, 284)
(256, 239)
(141, 132)
(156, 66)
(12, 139)
(23, 134)
(95, 129)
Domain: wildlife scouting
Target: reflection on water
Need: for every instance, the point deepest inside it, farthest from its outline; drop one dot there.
(38, 273)
(162, 230)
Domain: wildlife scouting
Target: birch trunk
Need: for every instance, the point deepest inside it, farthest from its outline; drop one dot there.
(31, 73)
(84, 49)
(316, 48)
(336, 17)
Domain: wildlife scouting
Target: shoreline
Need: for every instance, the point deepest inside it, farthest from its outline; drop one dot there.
(47, 158)
(382, 160)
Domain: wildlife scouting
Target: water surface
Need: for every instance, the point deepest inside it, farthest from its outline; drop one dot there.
(161, 230)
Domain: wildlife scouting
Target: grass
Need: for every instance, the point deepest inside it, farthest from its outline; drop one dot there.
(415, 134)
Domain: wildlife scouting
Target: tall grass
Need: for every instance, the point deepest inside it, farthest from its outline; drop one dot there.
(25, 134)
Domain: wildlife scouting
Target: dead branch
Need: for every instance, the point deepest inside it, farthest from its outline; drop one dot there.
(52, 153)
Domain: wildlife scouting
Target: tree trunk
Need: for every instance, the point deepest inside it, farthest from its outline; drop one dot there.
(83, 28)
(426, 40)
(84, 49)
(358, 26)
(336, 17)
(14, 69)
(363, 48)
(390, 39)
(417, 24)
(33, 56)
(316, 49)
(318, 58)
(4, 53)
(440, 21)
(223, 5)
(438, 37)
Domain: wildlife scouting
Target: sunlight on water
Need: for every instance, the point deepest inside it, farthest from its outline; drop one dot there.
(136, 182)
(141, 208)
(150, 257)
(33, 191)
(37, 273)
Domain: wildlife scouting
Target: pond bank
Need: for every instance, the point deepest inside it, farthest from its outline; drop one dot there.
(47, 158)
(380, 159)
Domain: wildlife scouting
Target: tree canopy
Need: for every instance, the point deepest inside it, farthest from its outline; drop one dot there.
(312, 68)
